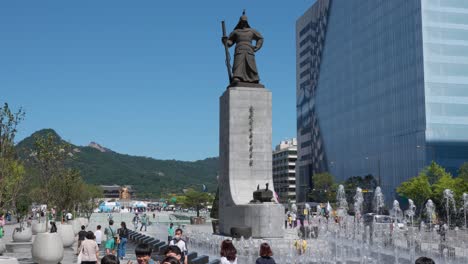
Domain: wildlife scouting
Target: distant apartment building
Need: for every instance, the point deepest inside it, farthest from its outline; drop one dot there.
(284, 170)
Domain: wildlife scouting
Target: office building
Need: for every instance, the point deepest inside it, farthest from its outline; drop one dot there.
(382, 89)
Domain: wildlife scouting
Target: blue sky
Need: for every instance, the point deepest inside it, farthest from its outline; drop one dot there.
(139, 77)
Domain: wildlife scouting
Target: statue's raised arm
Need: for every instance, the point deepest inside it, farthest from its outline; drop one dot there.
(244, 69)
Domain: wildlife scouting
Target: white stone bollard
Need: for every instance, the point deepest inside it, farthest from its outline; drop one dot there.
(39, 228)
(67, 234)
(76, 223)
(2, 246)
(23, 236)
(47, 248)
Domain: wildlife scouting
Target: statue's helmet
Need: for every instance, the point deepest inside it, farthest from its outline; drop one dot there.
(243, 23)
(243, 17)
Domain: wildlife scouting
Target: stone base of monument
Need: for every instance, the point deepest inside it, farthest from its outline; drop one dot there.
(197, 220)
(266, 220)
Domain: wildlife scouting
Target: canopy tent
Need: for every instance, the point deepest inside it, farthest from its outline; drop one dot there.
(139, 205)
(108, 206)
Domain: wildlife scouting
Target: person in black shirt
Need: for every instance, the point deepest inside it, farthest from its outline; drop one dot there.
(81, 237)
(53, 227)
(123, 235)
(265, 255)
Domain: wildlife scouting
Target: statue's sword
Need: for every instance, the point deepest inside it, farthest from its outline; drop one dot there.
(228, 57)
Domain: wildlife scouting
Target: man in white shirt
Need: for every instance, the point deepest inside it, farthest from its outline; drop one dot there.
(98, 235)
(179, 242)
(69, 216)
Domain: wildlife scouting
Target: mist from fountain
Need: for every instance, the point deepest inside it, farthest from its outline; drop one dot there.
(430, 210)
(332, 242)
(358, 200)
(449, 201)
(465, 205)
(379, 201)
(411, 211)
(341, 200)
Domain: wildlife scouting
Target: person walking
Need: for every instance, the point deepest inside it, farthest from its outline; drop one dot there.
(178, 241)
(228, 252)
(170, 232)
(111, 235)
(123, 235)
(265, 255)
(135, 221)
(300, 245)
(144, 221)
(89, 249)
(81, 238)
(53, 227)
(98, 235)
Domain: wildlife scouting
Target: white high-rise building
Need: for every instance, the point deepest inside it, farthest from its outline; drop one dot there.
(284, 170)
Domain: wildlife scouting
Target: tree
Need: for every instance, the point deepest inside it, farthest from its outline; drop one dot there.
(463, 172)
(196, 199)
(50, 155)
(434, 172)
(324, 188)
(457, 185)
(11, 170)
(88, 198)
(418, 189)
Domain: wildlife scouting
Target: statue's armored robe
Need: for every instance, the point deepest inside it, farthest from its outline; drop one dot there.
(245, 68)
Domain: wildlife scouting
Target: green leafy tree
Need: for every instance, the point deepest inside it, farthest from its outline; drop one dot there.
(88, 199)
(49, 156)
(418, 189)
(457, 185)
(197, 200)
(215, 208)
(463, 172)
(434, 172)
(324, 188)
(11, 170)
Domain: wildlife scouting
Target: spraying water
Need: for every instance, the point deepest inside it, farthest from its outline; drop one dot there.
(396, 210)
(449, 200)
(430, 209)
(378, 200)
(465, 205)
(342, 203)
(411, 211)
(358, 200)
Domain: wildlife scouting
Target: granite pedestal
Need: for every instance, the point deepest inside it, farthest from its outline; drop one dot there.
(245, 162)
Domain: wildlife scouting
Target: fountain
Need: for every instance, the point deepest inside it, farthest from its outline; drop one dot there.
(379, 202)
(465, 205)
(430, 210)
(449, 200)
(341, 201)
(396, 210)
(411, 211)
(358, 200)
(382, 241)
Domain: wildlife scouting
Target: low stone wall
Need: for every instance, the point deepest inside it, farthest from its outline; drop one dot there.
(160, 246)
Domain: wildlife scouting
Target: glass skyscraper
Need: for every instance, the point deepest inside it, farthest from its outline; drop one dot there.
(382, 89)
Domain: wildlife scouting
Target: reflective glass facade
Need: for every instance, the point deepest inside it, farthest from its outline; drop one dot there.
(391, 91)
(445, 49)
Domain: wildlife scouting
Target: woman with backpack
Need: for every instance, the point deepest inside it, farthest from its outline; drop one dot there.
(123, 235)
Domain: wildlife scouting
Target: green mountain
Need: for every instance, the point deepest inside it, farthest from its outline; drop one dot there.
(149, 177)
